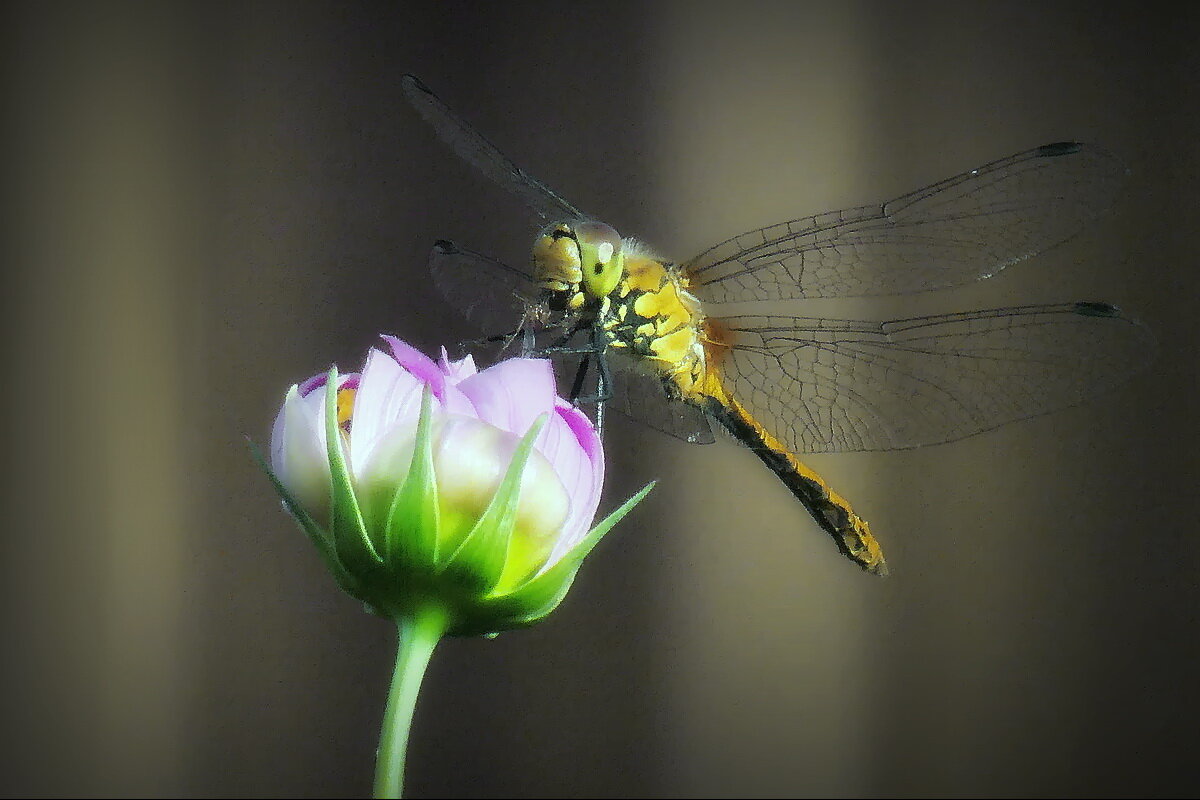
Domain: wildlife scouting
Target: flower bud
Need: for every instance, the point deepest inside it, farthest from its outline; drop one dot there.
(425, 482)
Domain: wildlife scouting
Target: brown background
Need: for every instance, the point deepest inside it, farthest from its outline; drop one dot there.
(210, 202)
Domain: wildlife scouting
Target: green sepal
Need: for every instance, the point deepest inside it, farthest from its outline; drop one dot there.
(533, 602)
(585, 545)
(411, 533)
(480, 558)
(316, 534)
(540, 595)
(354, 546)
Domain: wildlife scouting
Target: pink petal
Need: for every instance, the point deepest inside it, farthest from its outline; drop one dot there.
(513, 393)
(419, 364)
(312, 384)
(347, 381)
(581, 425)
(572, 447)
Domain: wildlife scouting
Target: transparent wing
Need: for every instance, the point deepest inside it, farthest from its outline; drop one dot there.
(491, 294)
(959, 230)
(485, 156)
(838, 385)
(642, 398)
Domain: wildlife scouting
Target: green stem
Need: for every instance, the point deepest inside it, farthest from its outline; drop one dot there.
(419, 633)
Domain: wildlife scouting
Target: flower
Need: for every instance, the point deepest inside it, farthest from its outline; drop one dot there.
(451, 500)
(428, 483)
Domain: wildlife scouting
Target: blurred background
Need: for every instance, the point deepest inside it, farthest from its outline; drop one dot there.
(209, 202)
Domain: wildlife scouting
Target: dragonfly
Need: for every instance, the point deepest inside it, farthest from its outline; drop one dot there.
(785, 385)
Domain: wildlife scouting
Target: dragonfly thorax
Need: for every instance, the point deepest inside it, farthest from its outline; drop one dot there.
(582, 260)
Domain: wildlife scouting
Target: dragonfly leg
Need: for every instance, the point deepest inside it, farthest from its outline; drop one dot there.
(604, 373)
(580, 376)
(559, 345)
(528, 341)
(603, 383)
(506, 337)
(595, 351)
(525, 331)
(600, 420)
(603, 392)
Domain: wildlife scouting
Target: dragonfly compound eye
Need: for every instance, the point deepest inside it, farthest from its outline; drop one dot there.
(556, 262)
(602, 257)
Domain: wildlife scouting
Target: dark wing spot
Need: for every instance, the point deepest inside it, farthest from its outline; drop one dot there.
(1088, 308)
(1059, 149)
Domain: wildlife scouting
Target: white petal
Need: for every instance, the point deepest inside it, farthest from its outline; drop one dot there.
(384, 471)
(457, 370)
(298, 453)
(471, 458)
(388, 396)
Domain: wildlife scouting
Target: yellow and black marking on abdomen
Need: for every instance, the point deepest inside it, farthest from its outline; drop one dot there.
(831, 511)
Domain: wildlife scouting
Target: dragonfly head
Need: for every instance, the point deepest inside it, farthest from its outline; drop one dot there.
(584, 258)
